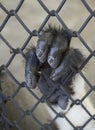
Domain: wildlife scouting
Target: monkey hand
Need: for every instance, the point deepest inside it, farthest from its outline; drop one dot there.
(52, 44)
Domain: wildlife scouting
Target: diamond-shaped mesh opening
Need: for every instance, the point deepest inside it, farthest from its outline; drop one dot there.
(87, 70)
(12, 30)
(80, 46)
(31, 21)
(54, 22)
(50, 6)
(10, 4)
(89, 30)
(73, 11)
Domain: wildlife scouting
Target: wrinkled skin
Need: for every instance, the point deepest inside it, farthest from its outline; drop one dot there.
(49, 64)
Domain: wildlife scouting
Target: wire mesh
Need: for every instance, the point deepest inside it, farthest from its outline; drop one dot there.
(5, 122)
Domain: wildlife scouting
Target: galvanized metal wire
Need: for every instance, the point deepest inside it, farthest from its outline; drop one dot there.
(5, 123)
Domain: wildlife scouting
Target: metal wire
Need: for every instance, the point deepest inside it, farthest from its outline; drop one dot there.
(5, 123)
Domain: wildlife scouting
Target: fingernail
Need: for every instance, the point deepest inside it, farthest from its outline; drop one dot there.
(51, 76)
(39, 54)
(50, 60)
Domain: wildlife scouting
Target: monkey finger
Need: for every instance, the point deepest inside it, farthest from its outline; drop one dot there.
(30, 69)
(28, 79)
(31, 80)
(34, 82)
(55, 76)
(42, 50)
(63, 101)
(57, 73)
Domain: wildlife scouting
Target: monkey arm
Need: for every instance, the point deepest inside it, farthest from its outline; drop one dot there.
(71, 61)
(31, 68)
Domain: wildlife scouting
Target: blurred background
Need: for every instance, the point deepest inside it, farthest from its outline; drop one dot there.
(74, 14)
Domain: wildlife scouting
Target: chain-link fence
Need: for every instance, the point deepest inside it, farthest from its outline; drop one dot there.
(5, 122)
